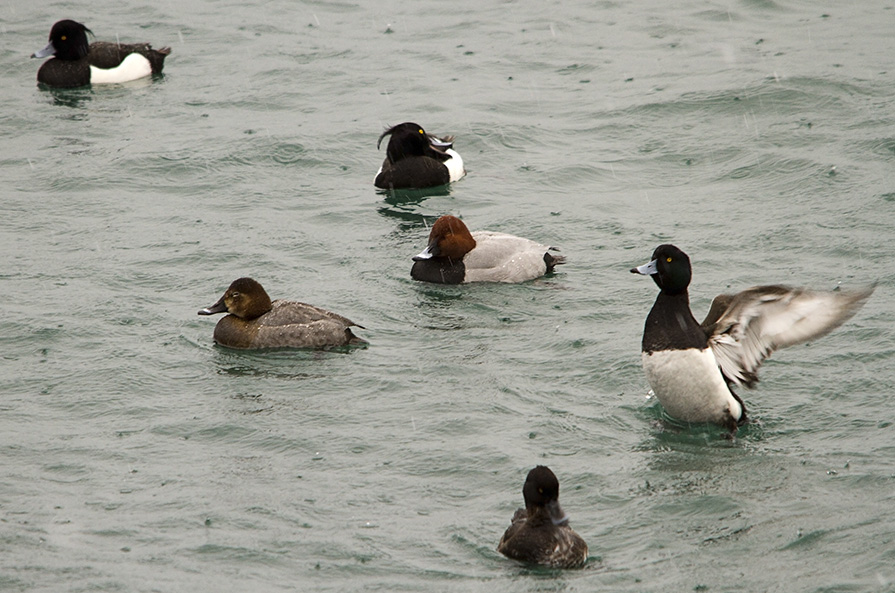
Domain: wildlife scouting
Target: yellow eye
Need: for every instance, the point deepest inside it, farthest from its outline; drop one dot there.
(63, 38)
(668, 259)
(422, 132)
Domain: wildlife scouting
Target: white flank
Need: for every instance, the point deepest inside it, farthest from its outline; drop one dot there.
(134, 66)
(455, 164)
(690, 386)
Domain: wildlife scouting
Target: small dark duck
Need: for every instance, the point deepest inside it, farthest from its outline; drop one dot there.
(77, 63)
(256, 322)
(417, 160)
(540, 533)
(692, 367)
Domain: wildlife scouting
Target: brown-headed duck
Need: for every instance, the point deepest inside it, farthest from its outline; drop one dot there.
(254, 322)
(455, 256)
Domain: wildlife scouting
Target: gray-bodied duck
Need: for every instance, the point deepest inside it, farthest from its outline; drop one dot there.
(256, 322)
(456, 256)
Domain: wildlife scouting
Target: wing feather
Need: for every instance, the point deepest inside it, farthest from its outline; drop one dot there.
(762, 319)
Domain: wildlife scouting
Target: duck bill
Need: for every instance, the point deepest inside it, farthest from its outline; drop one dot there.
(49, 50)
(424, 255)
(218, 307)
(557, 515)
(439, 143)
(436, 141)
(646, 269)
(429, 252)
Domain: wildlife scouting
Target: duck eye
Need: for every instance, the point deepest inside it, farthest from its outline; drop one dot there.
(63, 38)
(421, 131)
(668, 259)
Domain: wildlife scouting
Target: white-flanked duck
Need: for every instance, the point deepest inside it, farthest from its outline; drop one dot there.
(256, 322)
(417, 160)
(455, 256)
(540, 533)
(78, 63)
(692, 367)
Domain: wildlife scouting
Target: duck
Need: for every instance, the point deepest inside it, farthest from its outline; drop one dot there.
(540, 533)
(255, 322)
(456, 256)
(77, 63)
(417, 160)
(693, 367)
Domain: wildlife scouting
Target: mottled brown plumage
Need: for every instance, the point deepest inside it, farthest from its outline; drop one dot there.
(540, 533)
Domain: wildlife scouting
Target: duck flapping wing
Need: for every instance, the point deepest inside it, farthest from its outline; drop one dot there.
(745, 328)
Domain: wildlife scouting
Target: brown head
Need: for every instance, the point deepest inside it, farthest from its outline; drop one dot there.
(245, 299)
(449, 238)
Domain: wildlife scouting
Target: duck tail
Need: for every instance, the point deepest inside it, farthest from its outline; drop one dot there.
(156, 58)
(354, 340)
(553, 260)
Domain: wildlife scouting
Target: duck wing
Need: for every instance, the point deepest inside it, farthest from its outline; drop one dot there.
(107, 55)
(745, 328)
(499, 257)
(295, 313)
(516, 523)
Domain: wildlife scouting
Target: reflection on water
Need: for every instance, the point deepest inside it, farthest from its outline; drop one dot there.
(73, 98)
(276, 363)
(402, 205)
(671, 434)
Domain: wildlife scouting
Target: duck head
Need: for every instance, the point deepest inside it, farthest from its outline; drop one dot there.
(669, 268)
(68, 41)
(245, 298)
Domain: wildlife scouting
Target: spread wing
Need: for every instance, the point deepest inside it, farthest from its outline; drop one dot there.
(744, 329)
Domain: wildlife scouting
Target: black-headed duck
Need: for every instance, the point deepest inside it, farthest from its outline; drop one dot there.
(692, 367)
(77, 63)
(540, 533)
(417, 160)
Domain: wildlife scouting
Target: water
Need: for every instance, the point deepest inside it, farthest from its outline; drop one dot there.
(756, 135)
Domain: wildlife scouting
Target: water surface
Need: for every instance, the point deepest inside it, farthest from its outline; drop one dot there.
(758, 136)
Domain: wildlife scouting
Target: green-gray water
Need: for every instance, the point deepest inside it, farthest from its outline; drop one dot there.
(759, 136)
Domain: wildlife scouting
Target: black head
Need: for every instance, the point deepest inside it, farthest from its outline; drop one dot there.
(409, 140)
(68, 41)
(541, 492)
(669, 268)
